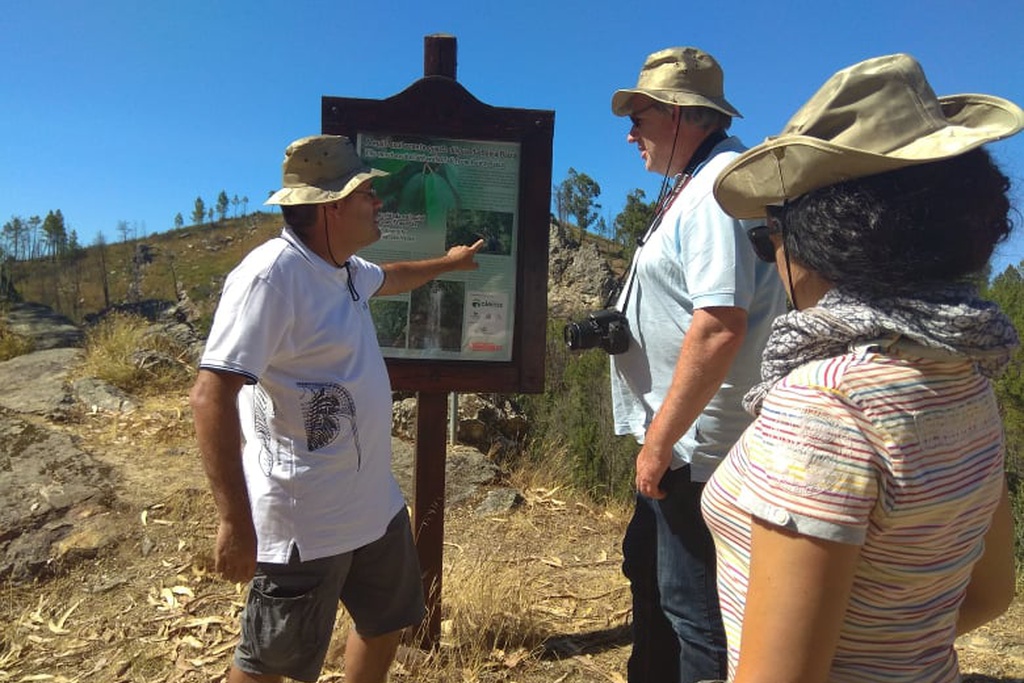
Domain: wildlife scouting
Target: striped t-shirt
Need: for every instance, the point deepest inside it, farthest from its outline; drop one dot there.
(903, 456)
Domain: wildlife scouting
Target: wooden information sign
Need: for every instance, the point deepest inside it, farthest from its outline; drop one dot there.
(460, 170)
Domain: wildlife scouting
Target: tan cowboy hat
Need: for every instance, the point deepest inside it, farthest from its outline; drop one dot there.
(680, 76)
(876, 116)
(320, 169)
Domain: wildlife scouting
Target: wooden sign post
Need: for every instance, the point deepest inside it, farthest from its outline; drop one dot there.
(460, 170)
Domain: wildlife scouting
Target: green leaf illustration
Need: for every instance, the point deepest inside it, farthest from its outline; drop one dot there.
(413, 198)
(439, 199)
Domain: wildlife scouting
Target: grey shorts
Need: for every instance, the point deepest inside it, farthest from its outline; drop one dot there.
(290, 610)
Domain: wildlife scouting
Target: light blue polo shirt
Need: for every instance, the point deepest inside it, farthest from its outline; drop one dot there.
(699, 257)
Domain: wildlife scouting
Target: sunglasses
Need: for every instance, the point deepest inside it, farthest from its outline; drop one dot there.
(760, 239)
(634, 117)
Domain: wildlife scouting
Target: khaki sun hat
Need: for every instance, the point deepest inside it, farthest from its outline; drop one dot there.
(680, 76)
(320, 169)
(876, 116)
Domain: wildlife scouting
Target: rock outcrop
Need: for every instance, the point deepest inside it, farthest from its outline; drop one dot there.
(579, 278)
(49, 492)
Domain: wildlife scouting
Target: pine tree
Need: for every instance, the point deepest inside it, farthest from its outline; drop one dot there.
(199, 211)
(633, 221)
(576, 196)
(222, 205)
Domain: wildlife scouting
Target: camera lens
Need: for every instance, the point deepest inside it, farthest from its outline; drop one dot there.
(572, 335)
(607, 329)
(581, 335)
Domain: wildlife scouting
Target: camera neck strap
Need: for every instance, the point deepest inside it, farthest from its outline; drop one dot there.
(665, 201)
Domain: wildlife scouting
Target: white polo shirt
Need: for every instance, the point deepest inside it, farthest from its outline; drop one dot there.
(316, 408)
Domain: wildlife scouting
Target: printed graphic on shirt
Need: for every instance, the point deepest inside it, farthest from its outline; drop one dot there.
(262, 411)
(324, 406)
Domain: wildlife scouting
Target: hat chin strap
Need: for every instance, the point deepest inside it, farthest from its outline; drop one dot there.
(352, 291)
(327, 239)
(789, 274)
(789, 268)
(663, 190)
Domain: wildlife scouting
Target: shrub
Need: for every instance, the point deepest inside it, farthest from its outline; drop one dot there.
(573, 417)
(12, 345)
(127, 351)
(1007, 290)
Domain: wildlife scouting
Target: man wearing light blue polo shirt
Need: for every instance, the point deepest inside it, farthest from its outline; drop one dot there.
(699, 306)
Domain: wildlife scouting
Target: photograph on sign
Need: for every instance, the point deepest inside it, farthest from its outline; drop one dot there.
(443, 192)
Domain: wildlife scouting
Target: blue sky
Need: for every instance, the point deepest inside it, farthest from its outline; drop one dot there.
(121, 110)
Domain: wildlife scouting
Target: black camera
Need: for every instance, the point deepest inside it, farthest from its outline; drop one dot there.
(607, 328)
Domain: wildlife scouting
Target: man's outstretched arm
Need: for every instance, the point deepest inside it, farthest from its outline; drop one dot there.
(404, 276)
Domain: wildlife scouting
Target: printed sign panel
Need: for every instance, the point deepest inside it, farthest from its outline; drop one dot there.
(442, 192)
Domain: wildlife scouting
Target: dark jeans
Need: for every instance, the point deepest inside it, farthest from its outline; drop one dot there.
(669, 559)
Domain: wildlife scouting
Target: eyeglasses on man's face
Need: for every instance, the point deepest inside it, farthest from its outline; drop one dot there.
(371, 193)
(635, 119)
(761, 240)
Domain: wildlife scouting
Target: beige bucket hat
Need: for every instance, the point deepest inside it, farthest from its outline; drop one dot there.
(878, 115)
(319, 169)
(681, 76)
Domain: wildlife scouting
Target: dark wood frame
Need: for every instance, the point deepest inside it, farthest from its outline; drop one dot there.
(437, 106)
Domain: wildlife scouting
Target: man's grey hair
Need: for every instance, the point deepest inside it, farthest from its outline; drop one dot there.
(300, 217)
(704, 117)
(707, 118)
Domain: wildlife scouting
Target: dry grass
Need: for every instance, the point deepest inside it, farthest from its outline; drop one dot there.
(535, 595)
(152, 611)
(124, 350)
(12, 344)
(513, 606)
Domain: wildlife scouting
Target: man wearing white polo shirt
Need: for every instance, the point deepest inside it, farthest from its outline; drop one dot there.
(292, 408)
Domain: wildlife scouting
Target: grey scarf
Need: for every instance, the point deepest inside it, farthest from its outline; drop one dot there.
(952, 319)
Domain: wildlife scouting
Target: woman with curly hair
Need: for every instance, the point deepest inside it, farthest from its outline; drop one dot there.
(862, 521)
